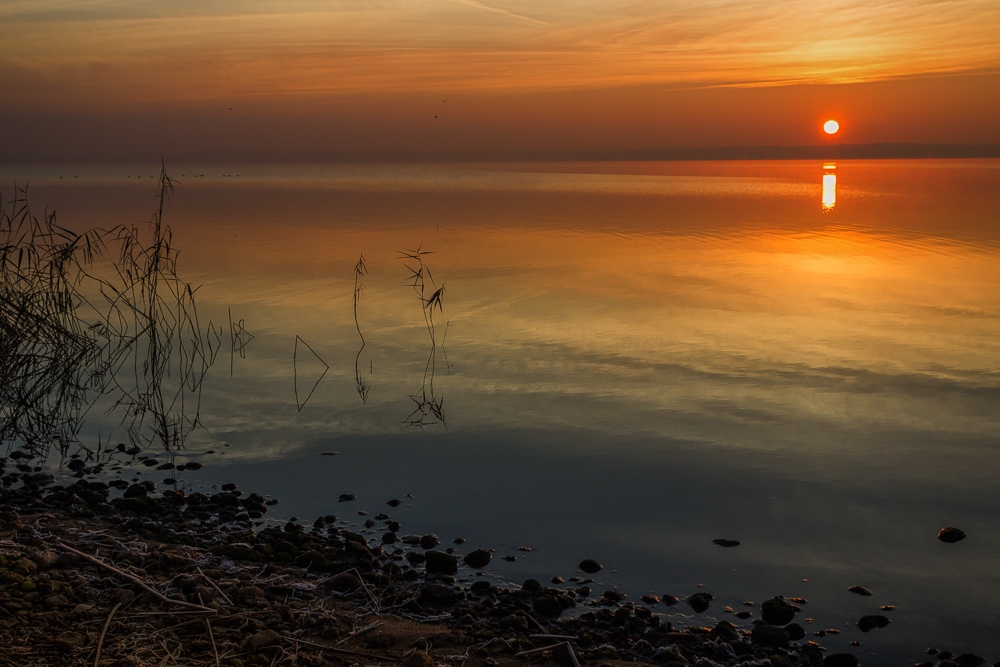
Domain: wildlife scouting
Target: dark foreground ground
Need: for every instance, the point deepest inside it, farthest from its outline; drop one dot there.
(122, 575)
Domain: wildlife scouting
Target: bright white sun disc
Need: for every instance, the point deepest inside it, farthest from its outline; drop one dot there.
(831, 127)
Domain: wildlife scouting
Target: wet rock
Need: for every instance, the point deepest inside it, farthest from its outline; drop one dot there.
(557, 580)
(777, 612)
(840, 660)
(394, 526)
(346, 497)
(699, 602)
(743, 615)
(514, 622)
(389, 538)
(345, 583)
(649, 598)
(441, 563)
(193, 465)
(951, 534)
(395, 502)
(769, 635)
(969, 660)
(795, 631)
(429, 541)
(135, 491)
(547, 605)
(727, 543)
(532, 586)
(872, 621)
(478, 559)
(590, 566)
(860, 590)
(613, 595)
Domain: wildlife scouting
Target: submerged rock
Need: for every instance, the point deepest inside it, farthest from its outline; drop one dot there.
(951, 535)
(478, 559)
(872, 621)
(727, 543)
(860, 590)
(777, 612)
(591, 566)
(699, 602)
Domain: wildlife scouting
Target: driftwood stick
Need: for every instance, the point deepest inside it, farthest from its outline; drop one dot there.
(213, 584)
(100, 642)
(136, 580)
(562, 637)
(344, 650)
(539, 650)
(208, 626)
(567, 645)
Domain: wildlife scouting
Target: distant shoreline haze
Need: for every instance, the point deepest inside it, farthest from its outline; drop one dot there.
(879, 151)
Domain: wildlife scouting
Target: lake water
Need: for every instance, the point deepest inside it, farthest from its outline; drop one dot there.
(630, 360)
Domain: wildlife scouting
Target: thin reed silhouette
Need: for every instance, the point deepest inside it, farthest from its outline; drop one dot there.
(429, 408)
(360, 271)
(299, 404)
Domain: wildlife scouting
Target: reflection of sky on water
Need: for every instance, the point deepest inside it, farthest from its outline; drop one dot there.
(636, 364)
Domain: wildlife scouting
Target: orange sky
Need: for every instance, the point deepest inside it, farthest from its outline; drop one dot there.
(118, 79)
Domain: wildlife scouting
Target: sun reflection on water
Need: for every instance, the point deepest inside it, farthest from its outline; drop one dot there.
(829, 197)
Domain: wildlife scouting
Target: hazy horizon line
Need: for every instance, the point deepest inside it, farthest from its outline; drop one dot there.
(869, 151)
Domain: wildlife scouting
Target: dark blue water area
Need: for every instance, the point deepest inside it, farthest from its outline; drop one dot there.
(649, 510)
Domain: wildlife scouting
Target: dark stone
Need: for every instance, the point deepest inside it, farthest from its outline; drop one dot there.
(415, 558)
(389, 538)
(699, 602)
(951, 535)
(134, 491)
(441, 563)
(429, 541)
(649, 598)
(478, 559)
(743, 615)
(394, 526)
(872, 621)
(346, 497)
(547, 605)
(224, 500)
(532, 586)
(613, 595)
(228, 487)
(769, 635)
(591, 566)
(727, 543)
(395, 502)
(726, 630)
(193, 465)
(860, 590)
(840, 660)
(777, 612)
(438, 594)
(75, 464)
(795, 631)
(669, 600)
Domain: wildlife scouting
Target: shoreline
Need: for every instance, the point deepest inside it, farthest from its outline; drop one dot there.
(92, 567)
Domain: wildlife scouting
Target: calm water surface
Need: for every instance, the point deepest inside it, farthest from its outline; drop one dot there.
(631, 360)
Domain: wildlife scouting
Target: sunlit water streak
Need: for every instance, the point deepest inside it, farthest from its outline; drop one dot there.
(640, 357)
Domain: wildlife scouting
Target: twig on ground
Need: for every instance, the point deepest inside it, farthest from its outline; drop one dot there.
(135, 580)
(100, 641)
(215, 586)
(344, 650)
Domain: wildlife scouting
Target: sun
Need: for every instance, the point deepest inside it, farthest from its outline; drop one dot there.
(831, 127)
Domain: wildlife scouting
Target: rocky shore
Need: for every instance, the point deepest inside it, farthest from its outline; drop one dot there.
(123, 574)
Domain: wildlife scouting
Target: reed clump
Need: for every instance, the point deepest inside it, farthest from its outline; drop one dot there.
(96, 317)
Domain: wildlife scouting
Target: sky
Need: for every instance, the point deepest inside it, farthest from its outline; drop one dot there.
(319, 79)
